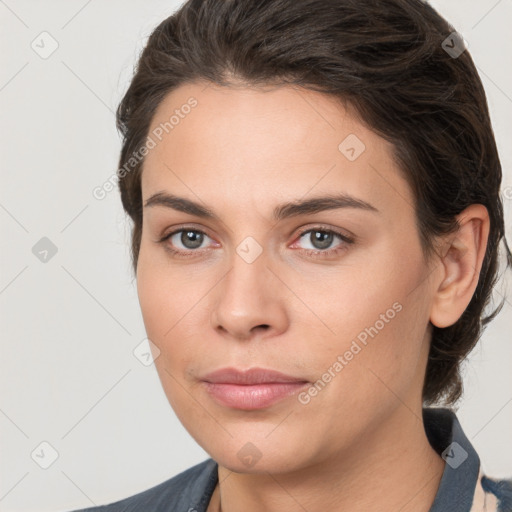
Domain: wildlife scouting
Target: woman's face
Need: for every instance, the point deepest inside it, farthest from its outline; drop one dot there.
(336, 297)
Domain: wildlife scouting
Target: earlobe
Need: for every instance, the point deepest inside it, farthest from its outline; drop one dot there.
(460, 266)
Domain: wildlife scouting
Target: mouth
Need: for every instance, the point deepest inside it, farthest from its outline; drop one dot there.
(252, 389)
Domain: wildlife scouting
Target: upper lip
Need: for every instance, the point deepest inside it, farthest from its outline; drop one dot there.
(248, 377)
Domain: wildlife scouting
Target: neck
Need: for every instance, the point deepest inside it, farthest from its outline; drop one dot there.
(393, 468)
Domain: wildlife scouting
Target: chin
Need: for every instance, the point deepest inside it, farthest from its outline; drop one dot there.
(259, 457)
(261, 467)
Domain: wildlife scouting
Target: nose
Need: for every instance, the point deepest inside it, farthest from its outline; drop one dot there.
(249, 301)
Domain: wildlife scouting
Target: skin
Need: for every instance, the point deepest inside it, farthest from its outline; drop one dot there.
(360, 443)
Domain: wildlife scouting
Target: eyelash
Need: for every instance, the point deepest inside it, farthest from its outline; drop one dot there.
(310, 252)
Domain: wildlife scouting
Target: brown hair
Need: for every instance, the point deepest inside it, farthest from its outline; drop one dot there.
(387, 59)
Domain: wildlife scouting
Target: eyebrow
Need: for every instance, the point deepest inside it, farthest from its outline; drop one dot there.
(283, 211)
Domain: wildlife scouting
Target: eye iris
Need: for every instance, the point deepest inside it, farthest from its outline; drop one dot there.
(191, 239)
(321, 239)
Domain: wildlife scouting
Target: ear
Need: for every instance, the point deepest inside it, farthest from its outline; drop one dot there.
(460, 266)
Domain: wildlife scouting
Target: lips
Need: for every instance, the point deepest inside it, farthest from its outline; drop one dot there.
(255, 388)
(249, 377)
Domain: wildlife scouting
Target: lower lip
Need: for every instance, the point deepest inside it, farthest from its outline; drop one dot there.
(251, 397)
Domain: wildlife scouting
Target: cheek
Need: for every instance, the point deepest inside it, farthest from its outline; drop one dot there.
(155, 311)
(170, 303)
(379, 325)
(376, 374)
(161, 292)
(164, 318)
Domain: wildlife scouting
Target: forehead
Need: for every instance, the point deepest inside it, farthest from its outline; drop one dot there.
(260, 146)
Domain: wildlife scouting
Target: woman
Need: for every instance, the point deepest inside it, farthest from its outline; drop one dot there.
(314, 190)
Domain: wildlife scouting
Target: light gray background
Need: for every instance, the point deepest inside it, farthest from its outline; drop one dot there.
(69, 326)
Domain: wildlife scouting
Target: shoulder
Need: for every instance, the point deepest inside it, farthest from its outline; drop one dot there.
(184, 492)
(492, 495)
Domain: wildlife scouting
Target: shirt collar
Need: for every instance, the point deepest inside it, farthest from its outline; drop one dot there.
(457, 487)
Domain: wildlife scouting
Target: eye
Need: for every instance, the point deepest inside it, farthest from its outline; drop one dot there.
(189, 238)
(185, 241)
(320, 241)
(190, 241)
